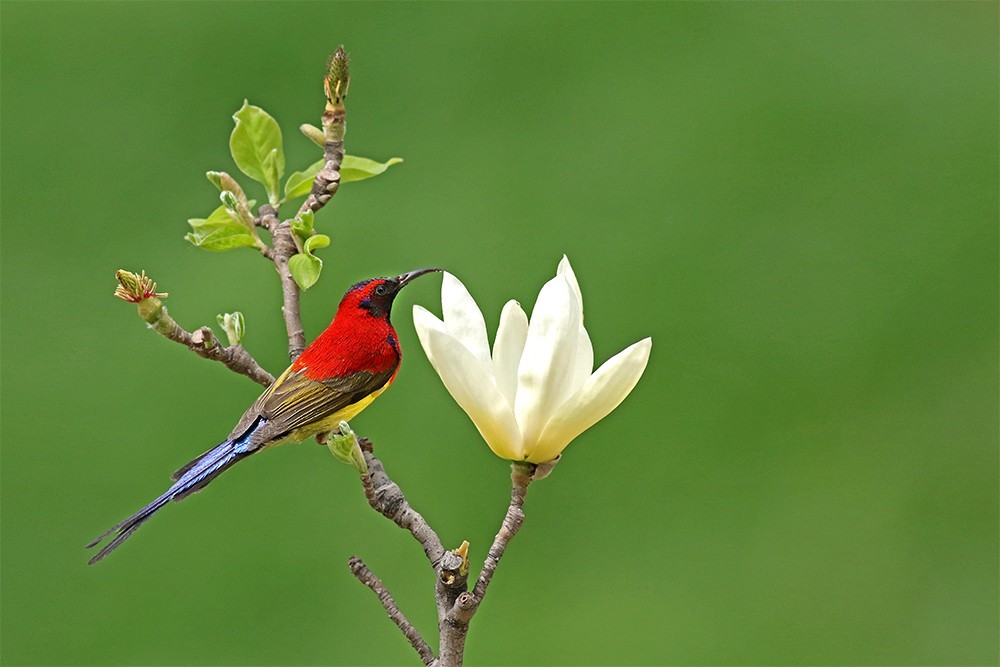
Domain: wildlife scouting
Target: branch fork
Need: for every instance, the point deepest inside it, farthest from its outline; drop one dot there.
(456, 605)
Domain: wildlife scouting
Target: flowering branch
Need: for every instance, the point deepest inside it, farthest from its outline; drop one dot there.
(546, 363)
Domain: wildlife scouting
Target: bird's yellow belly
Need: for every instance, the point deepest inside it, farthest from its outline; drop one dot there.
(333, 421)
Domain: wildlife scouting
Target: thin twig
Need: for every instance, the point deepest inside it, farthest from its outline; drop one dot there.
(327, 180)
(386, 498)
(325, 185)
(203, 343)
(369, 579)
(456, 605)
(283, 249)
(520, 476)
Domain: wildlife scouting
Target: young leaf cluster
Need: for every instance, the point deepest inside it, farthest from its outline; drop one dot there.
(257, 148)
(222, 231)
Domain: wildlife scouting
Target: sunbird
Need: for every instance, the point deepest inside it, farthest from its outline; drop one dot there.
(337, 376)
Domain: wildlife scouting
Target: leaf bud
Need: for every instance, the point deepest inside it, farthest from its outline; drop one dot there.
(314, 134)
(234, 326)
(345, 447)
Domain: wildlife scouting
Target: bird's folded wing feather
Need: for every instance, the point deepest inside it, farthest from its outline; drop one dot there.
(294, 401)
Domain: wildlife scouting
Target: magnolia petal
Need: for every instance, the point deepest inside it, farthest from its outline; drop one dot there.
(583, 364)
(546, 369)
(511, 336)
(601, 394)
(474, 390)
(464, 320)
(566, 271)
(425, 321)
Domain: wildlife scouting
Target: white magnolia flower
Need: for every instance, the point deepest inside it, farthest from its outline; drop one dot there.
(538, 389)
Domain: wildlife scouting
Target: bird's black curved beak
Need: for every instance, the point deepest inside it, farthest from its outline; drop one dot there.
(408, 277)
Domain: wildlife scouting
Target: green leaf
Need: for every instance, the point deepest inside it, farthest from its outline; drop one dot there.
(300, 182)
(306, 267)
(303, 224)
(355, 168)
(316, 242)
(273, 176)
(255, 138)
(219, 232)
(352, 168)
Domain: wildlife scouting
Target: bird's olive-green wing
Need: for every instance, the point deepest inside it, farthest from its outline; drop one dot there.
(294, 401)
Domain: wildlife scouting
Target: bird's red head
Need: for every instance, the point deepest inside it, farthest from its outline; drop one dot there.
(360, 337)
(375, 296)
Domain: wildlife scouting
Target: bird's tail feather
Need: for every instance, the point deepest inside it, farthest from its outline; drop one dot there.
(190, 479)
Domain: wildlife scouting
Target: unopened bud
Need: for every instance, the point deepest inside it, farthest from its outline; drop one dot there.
(345, 447)
(237, 209)
(229, 201)
(338, 76)
(314, 134)
(224, 181)
(234, 326)
(302, 224)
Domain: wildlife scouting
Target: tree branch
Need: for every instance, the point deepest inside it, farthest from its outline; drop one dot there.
(141, 290)
(452, 579)
(283, 249)
(454, 623)
(455, 604)
(454, 628)
(368, 578)
(386, 498)
(521, 475)
(325, 185)
(235, 357)
(327, 182)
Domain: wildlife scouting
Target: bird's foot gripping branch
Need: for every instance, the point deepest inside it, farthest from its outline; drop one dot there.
(529, 396)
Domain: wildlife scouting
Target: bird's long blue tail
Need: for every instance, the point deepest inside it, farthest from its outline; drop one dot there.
(191, 478)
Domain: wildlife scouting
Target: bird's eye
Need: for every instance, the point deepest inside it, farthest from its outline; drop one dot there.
(381, 290)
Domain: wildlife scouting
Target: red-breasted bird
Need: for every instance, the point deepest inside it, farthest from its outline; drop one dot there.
(335, 378)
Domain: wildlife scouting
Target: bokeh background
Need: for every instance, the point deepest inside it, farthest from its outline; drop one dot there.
(797, 201)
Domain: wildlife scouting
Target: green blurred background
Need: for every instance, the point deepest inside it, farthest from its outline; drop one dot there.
(797, 201)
